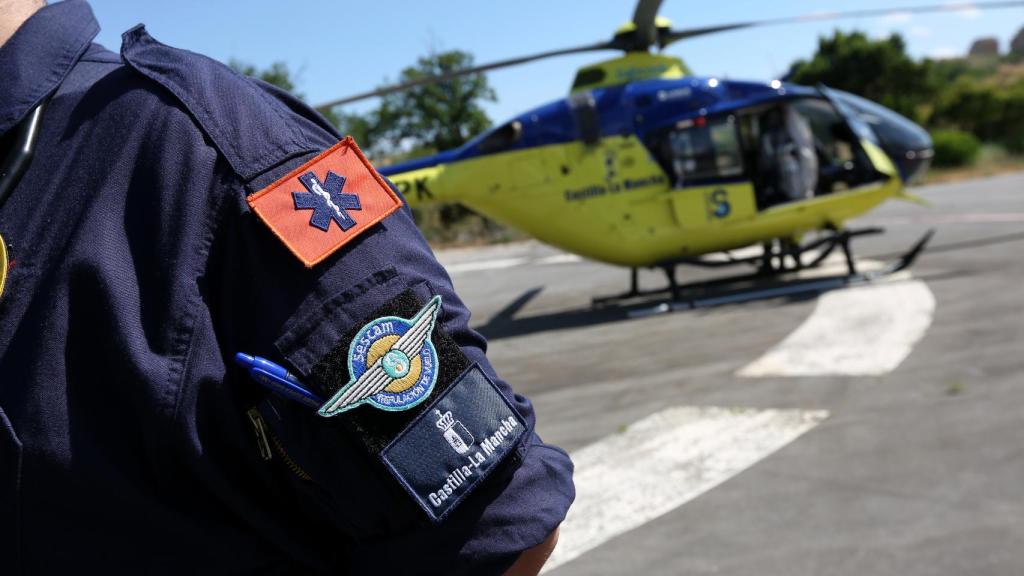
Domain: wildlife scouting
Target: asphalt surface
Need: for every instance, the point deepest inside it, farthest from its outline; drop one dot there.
(916, 471)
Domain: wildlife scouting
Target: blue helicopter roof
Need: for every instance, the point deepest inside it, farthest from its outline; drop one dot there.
(635, 108)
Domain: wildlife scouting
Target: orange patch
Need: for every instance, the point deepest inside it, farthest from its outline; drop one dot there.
(323, 204)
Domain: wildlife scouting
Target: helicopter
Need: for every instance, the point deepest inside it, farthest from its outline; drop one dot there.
(644, 165)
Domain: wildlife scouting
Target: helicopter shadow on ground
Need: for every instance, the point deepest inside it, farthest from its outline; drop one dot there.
(505, 324)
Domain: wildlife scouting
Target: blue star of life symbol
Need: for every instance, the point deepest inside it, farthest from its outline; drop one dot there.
(326, 200)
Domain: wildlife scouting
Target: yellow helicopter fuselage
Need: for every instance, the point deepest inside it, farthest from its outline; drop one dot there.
(611, 200)
(636, 218)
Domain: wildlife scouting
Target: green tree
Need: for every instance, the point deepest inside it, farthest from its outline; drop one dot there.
(427, 119)
(991, 112)
(955, 148)
(414, 122)
(946, 72)
(438, 116)
(362, 127)
(375, 130)
(879, 70)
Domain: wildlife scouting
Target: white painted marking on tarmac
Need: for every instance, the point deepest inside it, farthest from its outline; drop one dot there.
(664, 461)
(965, 218)
(485, 265)
(559, 259)
(862, 331)
(502, 263)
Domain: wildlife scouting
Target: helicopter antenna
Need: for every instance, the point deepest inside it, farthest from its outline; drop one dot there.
(645, 31)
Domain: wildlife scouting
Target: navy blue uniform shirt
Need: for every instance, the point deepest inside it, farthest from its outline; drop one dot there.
(127, 439)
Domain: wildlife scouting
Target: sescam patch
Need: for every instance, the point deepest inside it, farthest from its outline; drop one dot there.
(391, 362)
(449, 449)
(375, 428)
(323, 204)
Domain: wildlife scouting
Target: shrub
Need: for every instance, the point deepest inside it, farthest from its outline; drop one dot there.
(955, 148)
(992, 113)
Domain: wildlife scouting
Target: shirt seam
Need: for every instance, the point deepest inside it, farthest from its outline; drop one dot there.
(187, 335)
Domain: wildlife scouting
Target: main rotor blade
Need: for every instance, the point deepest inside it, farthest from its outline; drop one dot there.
(644, 19)
(385, 90)
(677, 35)
(646, 35)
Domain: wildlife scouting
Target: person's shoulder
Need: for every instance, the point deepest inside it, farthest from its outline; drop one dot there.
(253, 125)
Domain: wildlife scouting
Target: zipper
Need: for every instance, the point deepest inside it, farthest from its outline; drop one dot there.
(261, 433)
(262, 436)
(295, 468)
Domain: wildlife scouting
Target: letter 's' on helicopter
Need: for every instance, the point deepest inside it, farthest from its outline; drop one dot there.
(645, 165)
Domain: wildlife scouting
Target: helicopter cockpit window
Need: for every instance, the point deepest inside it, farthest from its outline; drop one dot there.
(842, 162)
(702, 150)
(502, 138)
(800, 149)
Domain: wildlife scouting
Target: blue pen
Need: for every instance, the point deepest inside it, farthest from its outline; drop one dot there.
(276, 379)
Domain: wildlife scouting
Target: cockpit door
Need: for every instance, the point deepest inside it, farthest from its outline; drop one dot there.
(866, 138)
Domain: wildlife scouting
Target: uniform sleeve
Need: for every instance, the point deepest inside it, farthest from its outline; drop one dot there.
(352, 471)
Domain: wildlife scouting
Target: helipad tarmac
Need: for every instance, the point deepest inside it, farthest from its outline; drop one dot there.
(872, 430)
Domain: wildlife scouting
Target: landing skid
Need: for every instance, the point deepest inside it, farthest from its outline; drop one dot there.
(779, 257)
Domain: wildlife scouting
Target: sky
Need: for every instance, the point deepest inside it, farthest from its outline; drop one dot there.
(341, 47)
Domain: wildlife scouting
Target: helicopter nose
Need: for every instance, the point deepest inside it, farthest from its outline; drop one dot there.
(915, 162)
(907, 144)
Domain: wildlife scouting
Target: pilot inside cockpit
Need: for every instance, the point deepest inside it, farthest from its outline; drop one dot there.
(788, 153)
